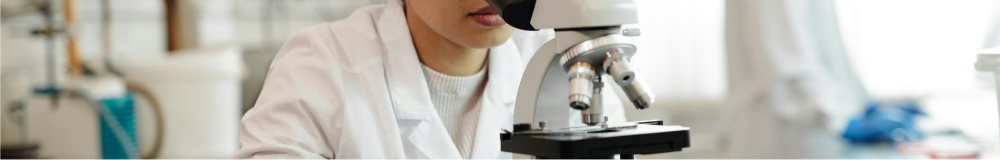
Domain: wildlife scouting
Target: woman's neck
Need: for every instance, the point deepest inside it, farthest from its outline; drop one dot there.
(443, 55)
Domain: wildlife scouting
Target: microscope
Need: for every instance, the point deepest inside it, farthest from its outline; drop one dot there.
(567, 72)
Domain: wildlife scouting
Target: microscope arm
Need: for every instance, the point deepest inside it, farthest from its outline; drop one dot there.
(531, 82)
(543, 91)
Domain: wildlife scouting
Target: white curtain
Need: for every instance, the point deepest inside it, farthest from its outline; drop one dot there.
(912, 49)
(993, 28)
(680, 51)
(790, 82)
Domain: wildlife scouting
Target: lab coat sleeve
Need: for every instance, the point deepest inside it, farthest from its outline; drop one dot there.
(298, 109)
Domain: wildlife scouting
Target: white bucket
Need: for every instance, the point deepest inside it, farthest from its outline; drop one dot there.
(199, 91)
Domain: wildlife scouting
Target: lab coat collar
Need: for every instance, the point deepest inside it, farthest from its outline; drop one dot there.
(498, 100)
(402, 64)
(505, 62)
(411, 96)
(418, 121)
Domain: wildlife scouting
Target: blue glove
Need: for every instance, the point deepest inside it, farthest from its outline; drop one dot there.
(880, 123)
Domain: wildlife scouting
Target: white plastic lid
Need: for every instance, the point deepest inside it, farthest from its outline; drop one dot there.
(203, 64)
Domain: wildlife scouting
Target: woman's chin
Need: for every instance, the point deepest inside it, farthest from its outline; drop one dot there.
(493, 42)
(483, 38)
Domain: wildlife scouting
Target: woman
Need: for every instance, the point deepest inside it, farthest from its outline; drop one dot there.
(410, 79)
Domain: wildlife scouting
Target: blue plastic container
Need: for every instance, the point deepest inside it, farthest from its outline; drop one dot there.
(118, 128)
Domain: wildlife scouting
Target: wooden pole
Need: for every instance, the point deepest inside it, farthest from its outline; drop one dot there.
(69, 14)
(171, 13)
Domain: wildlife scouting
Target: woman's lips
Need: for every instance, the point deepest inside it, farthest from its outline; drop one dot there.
(487, 17)
(491, 20)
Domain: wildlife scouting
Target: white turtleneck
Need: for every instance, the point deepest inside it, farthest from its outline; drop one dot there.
(456, 100)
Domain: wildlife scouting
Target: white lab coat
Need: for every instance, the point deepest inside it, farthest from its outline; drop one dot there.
(354, 89)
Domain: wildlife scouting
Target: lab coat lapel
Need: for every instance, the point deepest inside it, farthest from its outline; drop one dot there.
(498, 100)
(420, 127)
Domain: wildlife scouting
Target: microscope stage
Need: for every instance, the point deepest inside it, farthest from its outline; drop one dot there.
(642, 139)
